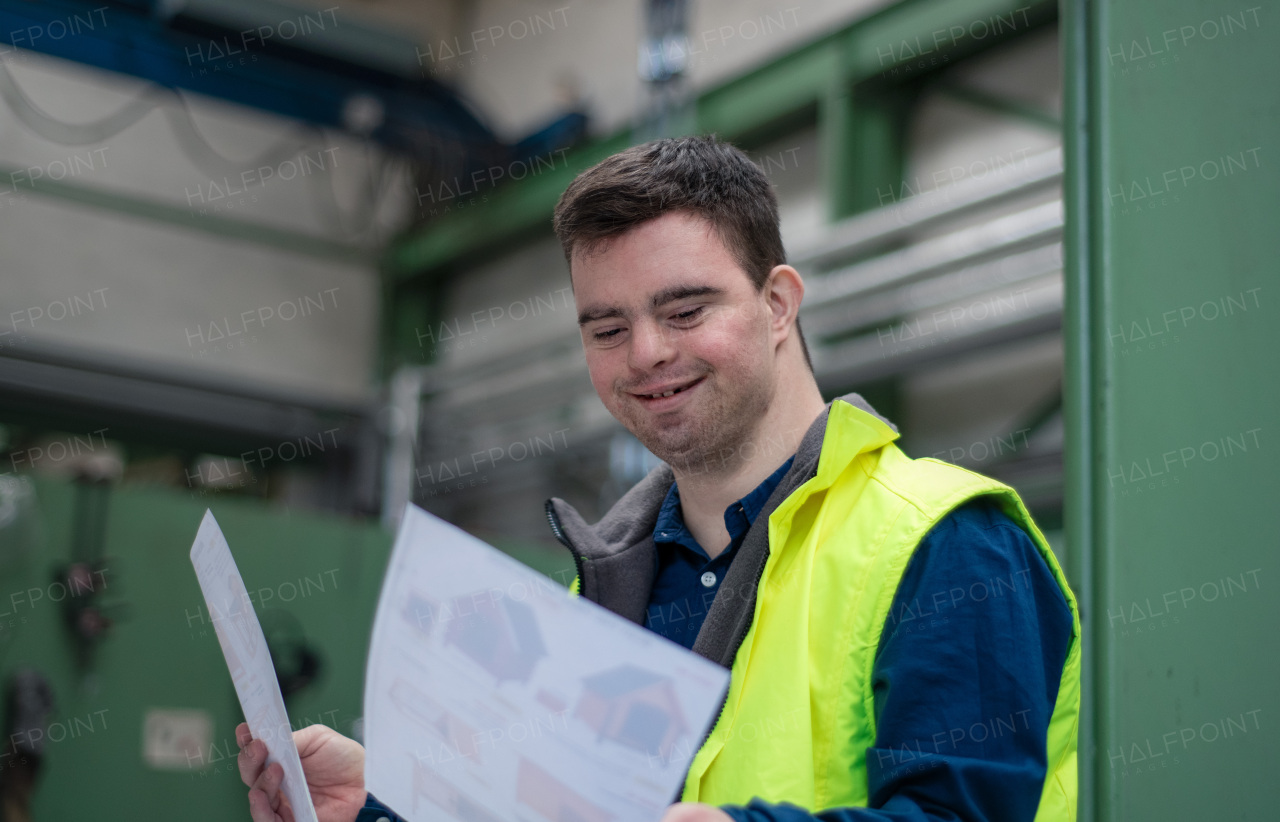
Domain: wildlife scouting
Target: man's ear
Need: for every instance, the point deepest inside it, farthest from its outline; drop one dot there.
(785, 290)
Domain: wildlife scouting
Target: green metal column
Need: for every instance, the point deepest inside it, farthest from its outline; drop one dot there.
(1173, 327)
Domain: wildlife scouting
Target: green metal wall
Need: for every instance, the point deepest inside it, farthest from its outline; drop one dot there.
(162, 652)
(1173, 152)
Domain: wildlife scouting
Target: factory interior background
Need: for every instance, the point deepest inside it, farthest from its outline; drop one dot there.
(293, 262)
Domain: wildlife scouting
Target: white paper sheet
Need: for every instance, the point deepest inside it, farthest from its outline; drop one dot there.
(245, 649)
(491, 695)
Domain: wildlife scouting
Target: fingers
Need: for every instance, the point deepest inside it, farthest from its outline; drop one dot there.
(274, 801)
(268, 784)
(252, 758)
(265, 803)
(249, 765)
(260, 808)
(694, 812)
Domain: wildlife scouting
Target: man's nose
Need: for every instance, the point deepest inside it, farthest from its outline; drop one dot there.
(651, 346)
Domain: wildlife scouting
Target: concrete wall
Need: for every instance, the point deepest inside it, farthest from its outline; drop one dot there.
(102, 280)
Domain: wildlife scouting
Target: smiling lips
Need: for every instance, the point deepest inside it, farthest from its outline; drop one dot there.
(665, 392)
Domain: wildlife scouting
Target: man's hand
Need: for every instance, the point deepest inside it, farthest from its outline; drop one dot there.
(332, 763)
(689, 812)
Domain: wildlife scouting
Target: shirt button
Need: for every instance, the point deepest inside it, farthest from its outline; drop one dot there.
(708, 579)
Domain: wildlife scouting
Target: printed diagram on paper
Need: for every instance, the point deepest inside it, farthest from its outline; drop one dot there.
(245, 649)
(493, 696)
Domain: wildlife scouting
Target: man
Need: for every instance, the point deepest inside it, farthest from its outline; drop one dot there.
(902, 643)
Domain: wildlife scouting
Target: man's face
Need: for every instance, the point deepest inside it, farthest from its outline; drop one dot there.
(665, 308)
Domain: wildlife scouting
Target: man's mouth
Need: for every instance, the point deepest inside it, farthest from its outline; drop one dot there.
(661, 392)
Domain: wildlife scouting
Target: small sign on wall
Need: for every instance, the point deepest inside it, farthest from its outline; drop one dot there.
(175, 739)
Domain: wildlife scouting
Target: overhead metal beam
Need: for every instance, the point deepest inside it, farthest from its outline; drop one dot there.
(19, 180)
(414, 115)
(873, 231)
(1001, 105)
(154, 401)
(513, 211)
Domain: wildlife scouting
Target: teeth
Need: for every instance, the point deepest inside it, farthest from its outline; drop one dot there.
(660, 396)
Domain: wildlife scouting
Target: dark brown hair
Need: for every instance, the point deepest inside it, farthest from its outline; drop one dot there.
(700, 175)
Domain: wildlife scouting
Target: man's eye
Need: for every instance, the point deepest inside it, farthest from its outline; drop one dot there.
(691, 314)
(604, 335)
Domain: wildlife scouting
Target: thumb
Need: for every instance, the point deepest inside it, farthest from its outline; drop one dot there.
(311, 736)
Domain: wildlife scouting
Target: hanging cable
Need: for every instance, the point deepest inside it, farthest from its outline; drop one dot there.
(177, 113)
(202, 154)
(69, 134)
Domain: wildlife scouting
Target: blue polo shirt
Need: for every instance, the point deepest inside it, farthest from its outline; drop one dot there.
(687, 580)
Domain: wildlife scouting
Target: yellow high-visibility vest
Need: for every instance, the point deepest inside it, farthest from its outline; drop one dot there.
(800, 712)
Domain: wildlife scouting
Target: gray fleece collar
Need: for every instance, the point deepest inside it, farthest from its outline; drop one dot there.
(615, 557)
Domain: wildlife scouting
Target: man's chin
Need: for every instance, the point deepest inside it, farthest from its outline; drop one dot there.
(683, 454)
(677, 440)
(670, 449)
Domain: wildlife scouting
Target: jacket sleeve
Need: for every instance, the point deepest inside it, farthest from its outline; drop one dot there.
(375, 811)
(965, 680)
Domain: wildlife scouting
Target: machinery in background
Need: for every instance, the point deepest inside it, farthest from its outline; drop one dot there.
(28, 703)
(118, 697)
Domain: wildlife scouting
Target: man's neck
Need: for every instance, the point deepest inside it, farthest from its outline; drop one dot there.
(705, 494)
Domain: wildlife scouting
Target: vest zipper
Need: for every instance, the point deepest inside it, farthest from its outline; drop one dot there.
(724, 700)
(553, 519)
